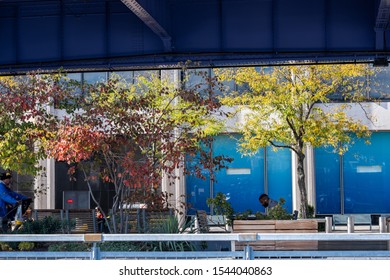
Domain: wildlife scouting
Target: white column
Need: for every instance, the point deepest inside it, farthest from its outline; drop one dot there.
(51, 190)
(175, 186)
(310, 176)
(295, 188)
(45, 186)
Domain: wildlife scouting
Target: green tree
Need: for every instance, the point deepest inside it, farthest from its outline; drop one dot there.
(282, 108)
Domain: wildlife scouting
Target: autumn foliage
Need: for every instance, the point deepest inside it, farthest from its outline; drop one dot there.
(134, 134)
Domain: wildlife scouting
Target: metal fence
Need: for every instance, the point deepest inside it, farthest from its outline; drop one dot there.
(247, 254)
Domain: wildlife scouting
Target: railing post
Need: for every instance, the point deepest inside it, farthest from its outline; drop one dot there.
(95, 253)
(328, 224)
(94, 224)
(248, 253)
(382, 225)
(350, 224)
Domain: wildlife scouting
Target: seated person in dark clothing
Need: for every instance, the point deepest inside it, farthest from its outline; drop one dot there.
(10, 200)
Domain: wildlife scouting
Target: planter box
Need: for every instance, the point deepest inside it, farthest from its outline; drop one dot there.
(277, 226)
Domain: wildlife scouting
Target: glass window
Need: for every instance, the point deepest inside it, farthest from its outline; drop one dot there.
(379, 83)
(149, 74)
(279, 176)
(125, 76)
(327, 172)
(95, 77)
(196, 79)
(74, 76)
(367, 176)
(223, 87)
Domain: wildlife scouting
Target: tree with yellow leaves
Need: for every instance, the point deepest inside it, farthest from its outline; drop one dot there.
(282, 108)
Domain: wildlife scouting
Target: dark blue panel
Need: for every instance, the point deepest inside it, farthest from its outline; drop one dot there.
(350, 24)
(327, 172)
(38, 38)
(7, 39)
(243, 181)
(367, 176)
(196, 25)
(279, 176)
(215, 32)
(198, 191)
(247, 25)
(299, 25)
(84, 36)
(125, 34)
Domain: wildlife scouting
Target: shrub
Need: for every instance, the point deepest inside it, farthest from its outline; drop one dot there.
(277, 212)
(26, 246)
(123, 246)
(171, 225)
(47, 225)
(5, 246)
(68, 247)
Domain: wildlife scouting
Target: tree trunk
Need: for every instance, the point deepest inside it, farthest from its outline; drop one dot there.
(302, 184)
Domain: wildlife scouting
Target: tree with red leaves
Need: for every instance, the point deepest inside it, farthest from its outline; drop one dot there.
(136, 133)
(26, 122)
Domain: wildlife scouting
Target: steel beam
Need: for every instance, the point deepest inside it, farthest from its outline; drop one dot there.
(152, 23)
(382, 24)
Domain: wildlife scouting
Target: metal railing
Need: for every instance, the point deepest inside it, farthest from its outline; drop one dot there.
(247, 254)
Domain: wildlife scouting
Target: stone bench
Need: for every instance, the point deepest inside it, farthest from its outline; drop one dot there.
(210, 223)
(358, 220)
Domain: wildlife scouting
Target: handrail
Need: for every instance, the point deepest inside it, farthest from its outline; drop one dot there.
(247, 253)
(240, 237)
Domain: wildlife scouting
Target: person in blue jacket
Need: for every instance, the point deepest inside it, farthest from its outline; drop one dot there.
(8, 199)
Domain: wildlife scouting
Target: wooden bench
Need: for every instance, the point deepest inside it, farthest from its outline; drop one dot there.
(276, 226)
(358, 220)
(210, 223)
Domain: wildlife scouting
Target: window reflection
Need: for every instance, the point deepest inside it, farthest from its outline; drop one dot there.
(95, 77)
(379, 83)
(124, 76)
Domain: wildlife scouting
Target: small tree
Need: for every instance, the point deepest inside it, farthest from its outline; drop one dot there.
(284, 109)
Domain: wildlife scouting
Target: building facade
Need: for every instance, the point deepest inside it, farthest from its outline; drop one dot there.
(356, 182)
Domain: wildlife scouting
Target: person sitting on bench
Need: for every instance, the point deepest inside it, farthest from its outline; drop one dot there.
(10, 200)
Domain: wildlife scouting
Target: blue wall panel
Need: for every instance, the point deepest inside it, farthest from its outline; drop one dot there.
(279, 176)
(367, 176)
(198, 190)
(327, 172)
(242, 190)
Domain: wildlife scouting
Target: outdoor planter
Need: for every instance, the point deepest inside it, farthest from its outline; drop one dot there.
(277, 226)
